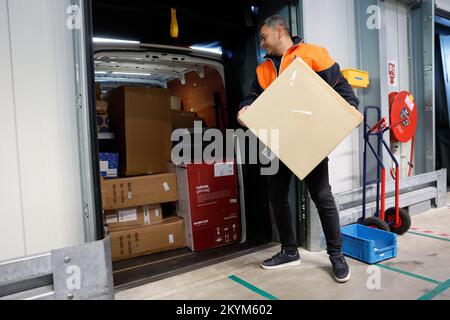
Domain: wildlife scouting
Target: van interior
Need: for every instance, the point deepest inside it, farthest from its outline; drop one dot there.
(210, 65)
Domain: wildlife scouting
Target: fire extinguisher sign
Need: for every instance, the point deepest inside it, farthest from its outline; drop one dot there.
(392, 73)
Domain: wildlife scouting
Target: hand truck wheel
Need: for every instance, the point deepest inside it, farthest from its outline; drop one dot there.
(404, 223)
(376, 223)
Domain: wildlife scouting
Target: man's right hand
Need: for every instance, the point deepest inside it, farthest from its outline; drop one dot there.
(241, 112)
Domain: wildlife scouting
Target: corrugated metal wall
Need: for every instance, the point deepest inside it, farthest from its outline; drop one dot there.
(40, 193)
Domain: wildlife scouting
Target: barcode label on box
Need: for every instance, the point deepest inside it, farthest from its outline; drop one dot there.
(130, 195)
(166, 186)
(233, 200)
(111, 218)
(223, 169)
(104, 166)
(146, 216)
(171, 239)
(112, 173)
(157, 212)
(127, 215)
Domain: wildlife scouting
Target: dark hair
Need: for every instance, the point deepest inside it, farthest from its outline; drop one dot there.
(275, 21)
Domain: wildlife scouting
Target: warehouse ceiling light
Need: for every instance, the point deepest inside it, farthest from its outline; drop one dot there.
(106, 40)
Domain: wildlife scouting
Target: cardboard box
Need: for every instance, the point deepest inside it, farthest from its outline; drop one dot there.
(138, 191)
(109, 164)
(184, 119)
(208, 203)
(312, 118)
(98, 91)
(139, 216)
(138, 241)
(140, 119)
(175, 103)
(101, 107)
(103, 123)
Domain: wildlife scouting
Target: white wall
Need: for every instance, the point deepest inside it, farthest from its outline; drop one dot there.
(443, 5)
(331, 24)
(40, 194)
(397, 50)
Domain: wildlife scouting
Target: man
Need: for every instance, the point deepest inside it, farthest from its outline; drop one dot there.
(281, 51)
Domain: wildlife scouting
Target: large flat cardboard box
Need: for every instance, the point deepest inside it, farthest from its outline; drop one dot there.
(141, 120)
(137, 241)
(312, 118)
(139, 191)
(133, 217)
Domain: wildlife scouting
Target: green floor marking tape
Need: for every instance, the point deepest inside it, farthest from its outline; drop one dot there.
(428, 236)
(253, 288)
(436, 291)
(410, 274)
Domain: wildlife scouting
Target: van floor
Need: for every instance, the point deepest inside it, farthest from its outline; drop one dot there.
(420, 271)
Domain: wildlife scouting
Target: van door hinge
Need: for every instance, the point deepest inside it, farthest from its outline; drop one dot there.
(78, 102)
(85, 210)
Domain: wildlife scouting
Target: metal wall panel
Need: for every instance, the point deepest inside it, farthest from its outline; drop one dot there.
(422, 85)
(331, 24)
(396, 14)
(12, 241)
(44, 106)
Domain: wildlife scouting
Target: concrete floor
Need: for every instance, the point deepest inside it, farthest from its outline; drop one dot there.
(420, 271)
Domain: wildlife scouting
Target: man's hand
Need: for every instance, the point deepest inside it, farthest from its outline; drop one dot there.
(241, 112)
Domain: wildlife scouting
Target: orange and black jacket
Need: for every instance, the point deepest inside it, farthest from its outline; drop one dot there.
(316, 57)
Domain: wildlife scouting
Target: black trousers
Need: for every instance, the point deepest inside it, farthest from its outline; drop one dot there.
(320, 190)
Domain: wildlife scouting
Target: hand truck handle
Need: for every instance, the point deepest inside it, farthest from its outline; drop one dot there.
(380, 125)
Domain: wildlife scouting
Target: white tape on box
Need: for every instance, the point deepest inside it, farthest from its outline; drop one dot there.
(146, 216)
(166, 186)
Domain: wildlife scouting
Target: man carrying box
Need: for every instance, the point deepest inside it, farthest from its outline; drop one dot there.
(281, 51)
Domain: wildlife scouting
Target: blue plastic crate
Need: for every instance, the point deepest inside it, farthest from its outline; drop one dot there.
(368, 244)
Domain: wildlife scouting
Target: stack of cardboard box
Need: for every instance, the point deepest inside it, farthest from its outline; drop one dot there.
(141, 120)
(133, 214)
(109, 161)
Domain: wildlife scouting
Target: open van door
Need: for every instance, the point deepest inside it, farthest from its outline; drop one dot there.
(81, 15)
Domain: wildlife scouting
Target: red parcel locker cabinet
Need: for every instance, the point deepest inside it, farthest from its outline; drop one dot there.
(208, 203)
